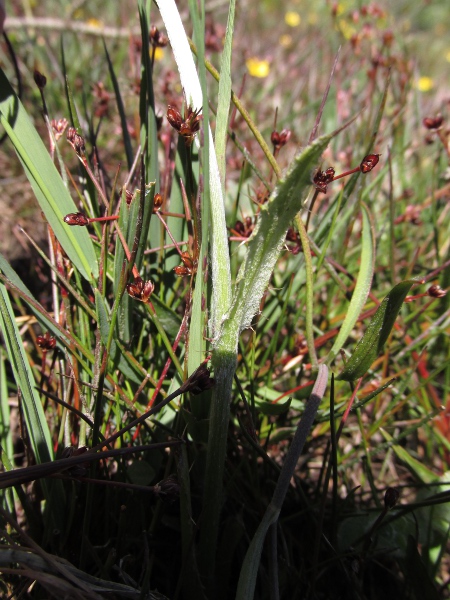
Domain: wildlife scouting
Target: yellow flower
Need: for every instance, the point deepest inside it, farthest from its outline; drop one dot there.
(285, 40)
(292, 18)
(257, 67)
(447, 56)
(424, 84)
(346, 29)
(95, 23)
(159, 53)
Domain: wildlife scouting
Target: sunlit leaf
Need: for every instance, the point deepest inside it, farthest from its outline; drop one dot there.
(378, 330)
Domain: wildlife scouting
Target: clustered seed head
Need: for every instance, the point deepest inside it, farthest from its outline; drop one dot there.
(243, 229)
(158, 39)
(103, 98)
(46, 341)
(433, 123)
(128, 197)
(76, 141)
(292, 235)
(391, 497)
(140, 290)
(369, 162)
(199, 381)
(323, 178)
(186, 127)
(59, 126)
(168, 489)
(188, 267)
(157, 202)
(76, 219)
(39, 79)
(435, 291)
(279, 139)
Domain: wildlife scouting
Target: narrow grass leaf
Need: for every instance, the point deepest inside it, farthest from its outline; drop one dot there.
(50, 191)
(378, 330)
(220, 260)
(415, 466)
(121, 109)
(267, 240)
(250, 566)
(363, 283)
(34, 415)
(224, 95)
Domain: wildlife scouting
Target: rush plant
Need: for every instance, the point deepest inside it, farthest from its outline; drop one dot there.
(159, 381)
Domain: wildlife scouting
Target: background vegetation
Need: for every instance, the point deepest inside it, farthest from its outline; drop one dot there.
(178, 504)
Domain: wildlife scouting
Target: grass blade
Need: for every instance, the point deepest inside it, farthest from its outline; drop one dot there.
(249, 571)
(362, 286)
(377, 333)
(33, 412)
(220, 261)
(52, 195)
(224, 96)
(121, 110)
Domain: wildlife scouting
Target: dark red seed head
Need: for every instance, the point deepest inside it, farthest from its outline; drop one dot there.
(433, 122)
(140, 289)
(369, 162)
(46, 341)
(75, 140)
(40, 79)
(76, 219)
(391, 497)
(435, 291)
(157, 201)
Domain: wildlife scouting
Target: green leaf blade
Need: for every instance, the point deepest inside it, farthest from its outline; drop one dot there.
(49, 189)
(268, 239)
(362, 287)
(377, 333)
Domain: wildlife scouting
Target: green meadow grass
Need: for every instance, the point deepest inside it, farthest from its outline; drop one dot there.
(242, 392)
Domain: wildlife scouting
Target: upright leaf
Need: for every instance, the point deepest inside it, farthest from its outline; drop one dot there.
(51, 193)
(378, 330)
(362, 287)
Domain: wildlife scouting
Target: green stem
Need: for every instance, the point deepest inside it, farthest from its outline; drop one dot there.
(309, 332)
(224, 364)
(247, 118)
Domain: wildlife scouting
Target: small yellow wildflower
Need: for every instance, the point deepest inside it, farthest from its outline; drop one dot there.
(159, 53)
(425, 84)
(95, 23)
(447, 56)
(347, 30)
(257, 68)
(285, 40)
(292, 18)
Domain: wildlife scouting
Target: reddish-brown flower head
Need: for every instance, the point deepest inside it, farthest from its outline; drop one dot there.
(39, 79)
(46, 341)
(279, 139)
(391, 497)
(158, 39)
(433, 122)
(157, 202)
(140, 289)
(188, 267)
(435, 291)
(322, 178)
(369, 162)
(76, 219)
(75, 140)
(188, 126)
(59, 126)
